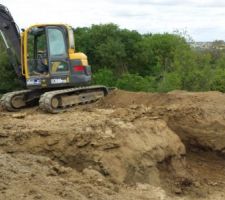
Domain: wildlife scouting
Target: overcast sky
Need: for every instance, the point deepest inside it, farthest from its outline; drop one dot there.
(204, 20)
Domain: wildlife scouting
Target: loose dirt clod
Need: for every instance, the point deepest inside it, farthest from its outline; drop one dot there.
(126, 146)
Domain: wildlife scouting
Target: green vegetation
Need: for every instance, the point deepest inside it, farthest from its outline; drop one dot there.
(151, 62)
(141, 62)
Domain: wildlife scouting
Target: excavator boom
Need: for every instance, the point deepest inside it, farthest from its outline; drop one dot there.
(11, 37)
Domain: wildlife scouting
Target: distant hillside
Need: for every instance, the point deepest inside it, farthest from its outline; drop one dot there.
(218, 44)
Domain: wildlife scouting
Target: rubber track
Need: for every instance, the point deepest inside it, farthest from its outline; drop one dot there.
(6, 100)
(46, 98)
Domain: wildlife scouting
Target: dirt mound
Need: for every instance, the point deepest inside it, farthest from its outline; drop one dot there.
(123, 150)
(198, 118)
(101, 152)
(126, 146)
(120, 98)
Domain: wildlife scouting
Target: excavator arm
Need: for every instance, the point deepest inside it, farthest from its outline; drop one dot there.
(11, 37)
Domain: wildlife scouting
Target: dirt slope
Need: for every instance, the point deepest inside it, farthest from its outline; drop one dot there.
(198, 118)
(126, 146)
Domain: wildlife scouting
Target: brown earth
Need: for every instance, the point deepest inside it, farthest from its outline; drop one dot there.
(126, 146)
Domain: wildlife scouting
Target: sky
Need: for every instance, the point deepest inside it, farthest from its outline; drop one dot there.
(203, 20)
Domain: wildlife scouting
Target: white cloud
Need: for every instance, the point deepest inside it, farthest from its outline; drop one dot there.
(192, 3)
(203, 19)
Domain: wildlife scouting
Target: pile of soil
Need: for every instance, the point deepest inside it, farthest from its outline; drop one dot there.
(126, 146)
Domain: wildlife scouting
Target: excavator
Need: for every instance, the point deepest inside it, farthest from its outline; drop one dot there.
(46, 63)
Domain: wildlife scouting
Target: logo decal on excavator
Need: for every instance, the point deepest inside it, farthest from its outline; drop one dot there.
(33, 82)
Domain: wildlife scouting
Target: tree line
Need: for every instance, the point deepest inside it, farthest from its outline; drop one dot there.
(141, 62)
(150, 62)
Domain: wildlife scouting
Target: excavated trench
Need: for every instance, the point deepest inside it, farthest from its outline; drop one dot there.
(126, 146)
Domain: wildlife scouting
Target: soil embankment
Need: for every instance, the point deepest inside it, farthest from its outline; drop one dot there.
(126, 146)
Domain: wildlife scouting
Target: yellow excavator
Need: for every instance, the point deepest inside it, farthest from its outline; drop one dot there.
(45, 60)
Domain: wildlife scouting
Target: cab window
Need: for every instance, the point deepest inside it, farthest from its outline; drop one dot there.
(57, 46)
(37, 52)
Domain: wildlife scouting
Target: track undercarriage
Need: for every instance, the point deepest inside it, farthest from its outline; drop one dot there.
(53, 101)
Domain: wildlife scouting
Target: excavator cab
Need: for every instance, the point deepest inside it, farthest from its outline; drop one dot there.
(49, 58)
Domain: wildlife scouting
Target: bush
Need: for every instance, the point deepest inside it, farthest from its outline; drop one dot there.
(170, 81)
(104, 77)
(197, 80)
(218, 82)
(131, 82)
(134, 82)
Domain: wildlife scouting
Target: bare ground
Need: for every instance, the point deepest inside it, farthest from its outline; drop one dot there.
(126, 146)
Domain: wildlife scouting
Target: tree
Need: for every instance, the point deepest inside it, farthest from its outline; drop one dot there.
(159, 51)
(108, 45)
